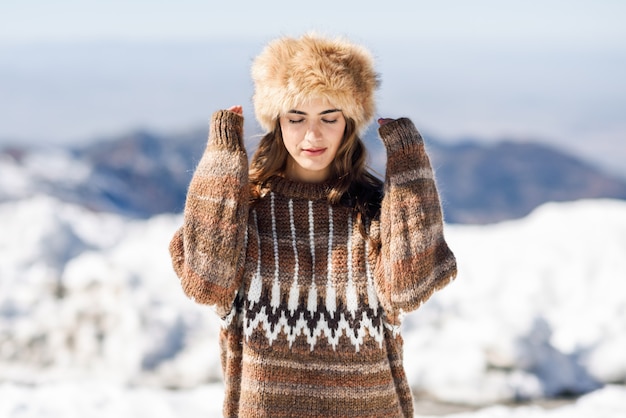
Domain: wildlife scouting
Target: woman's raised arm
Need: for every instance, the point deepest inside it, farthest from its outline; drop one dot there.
(207, 251)
(414, 259)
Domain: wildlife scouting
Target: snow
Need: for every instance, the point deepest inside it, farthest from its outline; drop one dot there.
(45, 169)
(98, 399)
(538, 309)
(93, 321)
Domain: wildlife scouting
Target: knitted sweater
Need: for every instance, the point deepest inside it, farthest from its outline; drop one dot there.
(311, 312)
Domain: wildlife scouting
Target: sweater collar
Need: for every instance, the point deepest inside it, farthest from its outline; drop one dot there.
(298, 190)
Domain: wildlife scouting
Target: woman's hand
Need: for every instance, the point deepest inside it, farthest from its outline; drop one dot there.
(384, 121)
(238, 109)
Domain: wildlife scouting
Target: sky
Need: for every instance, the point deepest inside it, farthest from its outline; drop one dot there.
(548, 71)
(565, 22)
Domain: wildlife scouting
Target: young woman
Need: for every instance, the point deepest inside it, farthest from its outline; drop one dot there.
(308, 258)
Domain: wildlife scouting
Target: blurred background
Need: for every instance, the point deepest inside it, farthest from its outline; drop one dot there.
(104, 110)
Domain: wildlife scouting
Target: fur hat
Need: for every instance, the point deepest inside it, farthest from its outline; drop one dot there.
(290, 71)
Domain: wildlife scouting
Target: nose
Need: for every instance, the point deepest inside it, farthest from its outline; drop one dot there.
(312, 132)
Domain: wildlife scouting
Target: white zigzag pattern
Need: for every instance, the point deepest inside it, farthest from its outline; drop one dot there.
(356, 336)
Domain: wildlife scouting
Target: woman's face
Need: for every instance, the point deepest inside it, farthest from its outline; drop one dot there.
(312, 133)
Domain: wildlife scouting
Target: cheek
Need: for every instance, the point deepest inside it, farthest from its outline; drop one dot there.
(287, 134)
(290, 140)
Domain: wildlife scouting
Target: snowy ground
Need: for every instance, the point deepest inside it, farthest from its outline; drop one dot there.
(93, 322)
(101, 400)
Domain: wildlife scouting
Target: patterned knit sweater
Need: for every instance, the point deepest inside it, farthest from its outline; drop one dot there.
(311, 312)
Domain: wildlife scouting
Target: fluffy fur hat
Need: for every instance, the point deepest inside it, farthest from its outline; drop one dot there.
(290, 71)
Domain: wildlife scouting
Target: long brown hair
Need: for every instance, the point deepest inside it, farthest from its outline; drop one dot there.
(352, 183)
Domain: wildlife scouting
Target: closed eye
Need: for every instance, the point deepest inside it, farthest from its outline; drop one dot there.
(331, 121)
(294, 121)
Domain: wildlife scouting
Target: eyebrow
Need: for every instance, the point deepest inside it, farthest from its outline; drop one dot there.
(325, 112)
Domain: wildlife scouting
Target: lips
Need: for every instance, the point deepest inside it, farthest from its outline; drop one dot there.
(312, 152)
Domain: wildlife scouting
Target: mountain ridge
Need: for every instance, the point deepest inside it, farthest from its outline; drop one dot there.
(142, 173)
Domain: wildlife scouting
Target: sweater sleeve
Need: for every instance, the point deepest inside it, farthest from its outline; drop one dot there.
(207, 250)
(414, 259)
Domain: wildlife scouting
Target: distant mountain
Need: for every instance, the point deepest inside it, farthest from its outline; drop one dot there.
(138, 175)
(488, 183)
(143, 174)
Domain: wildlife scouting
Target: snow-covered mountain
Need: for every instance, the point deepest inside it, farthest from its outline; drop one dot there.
(538, 308)
(143, 174)
(137, 175)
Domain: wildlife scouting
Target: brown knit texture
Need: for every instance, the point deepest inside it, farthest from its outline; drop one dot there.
(310, 313)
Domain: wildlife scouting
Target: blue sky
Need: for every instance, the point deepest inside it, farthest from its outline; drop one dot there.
(551, 70)
(565, 22)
